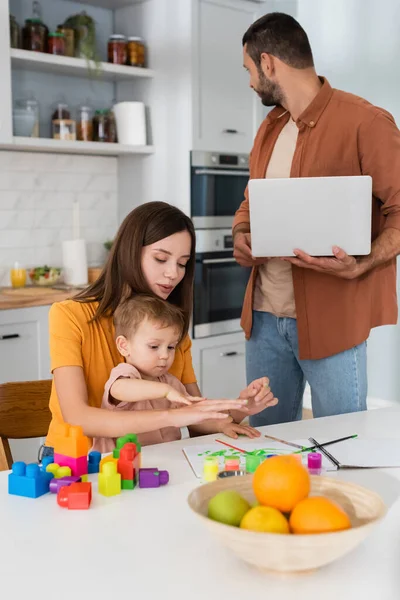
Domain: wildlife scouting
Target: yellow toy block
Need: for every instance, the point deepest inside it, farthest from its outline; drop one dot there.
(106, 459)
(109, 480)
(84, 478)
(70, 441)
(58, 471)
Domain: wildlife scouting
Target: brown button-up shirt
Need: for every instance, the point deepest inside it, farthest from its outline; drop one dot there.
(339, 134)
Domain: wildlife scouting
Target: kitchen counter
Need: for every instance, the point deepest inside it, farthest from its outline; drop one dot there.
(11, 298)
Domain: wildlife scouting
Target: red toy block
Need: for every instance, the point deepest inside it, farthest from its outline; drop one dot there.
(70, 441)
(125, 462)
(78, 466)
(77, 496)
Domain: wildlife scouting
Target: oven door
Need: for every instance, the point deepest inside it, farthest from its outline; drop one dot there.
(220, 285)
(216, 194)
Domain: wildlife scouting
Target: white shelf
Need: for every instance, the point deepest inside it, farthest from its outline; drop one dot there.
(76, 67)
(110, 4)
(28, 144)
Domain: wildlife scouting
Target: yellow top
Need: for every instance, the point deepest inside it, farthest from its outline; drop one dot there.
(75, 341)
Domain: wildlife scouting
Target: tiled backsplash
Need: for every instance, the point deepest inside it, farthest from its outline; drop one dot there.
(37, 192)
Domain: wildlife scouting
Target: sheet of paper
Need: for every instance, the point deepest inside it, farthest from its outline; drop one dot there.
(367, 453)
(195, 454)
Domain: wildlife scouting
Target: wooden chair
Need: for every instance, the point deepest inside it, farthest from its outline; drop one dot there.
(24, 413)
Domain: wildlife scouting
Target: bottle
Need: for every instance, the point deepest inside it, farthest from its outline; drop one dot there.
(56, 43)
(84, 125)
(136, 52)
(117, 49)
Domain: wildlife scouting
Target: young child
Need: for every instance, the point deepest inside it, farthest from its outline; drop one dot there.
(148, 330)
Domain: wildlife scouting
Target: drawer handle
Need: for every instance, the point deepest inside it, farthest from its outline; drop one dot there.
(229, 353)
(234, 131)
(10, 336)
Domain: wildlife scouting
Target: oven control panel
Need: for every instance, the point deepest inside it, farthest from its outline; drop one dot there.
(214, 240)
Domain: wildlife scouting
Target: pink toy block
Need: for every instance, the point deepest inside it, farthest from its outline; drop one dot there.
(78, 466)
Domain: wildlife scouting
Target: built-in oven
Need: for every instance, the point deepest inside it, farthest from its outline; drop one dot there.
(220, 284)
(218, 182)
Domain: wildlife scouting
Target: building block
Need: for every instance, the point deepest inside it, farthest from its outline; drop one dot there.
(125, 462)
(84, 478)
(106, 459)
(152, 478)
(27, 480)
(130, 438)
(128, 484)
(56, 484)
(58, 471)
(109, 480)
(47, 460)
(70, 441)
(94, 459)
(78, 466)
(76, 496)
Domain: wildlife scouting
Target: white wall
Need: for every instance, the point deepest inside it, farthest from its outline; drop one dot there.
(356, 45)
(37, 192)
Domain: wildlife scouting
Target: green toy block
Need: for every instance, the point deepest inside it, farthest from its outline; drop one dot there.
(128, 484)
(121, 441)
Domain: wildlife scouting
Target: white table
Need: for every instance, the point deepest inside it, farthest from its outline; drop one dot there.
(147, 544)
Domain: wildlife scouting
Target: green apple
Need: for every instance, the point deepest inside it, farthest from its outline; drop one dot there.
(228, 507)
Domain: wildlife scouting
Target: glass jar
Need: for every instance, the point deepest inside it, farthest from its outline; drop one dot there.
(56, 44)
(34, 35)
(15, 33)
(69, 36)
(100, 126)
(117, 49)
(111, 127)
(30, 106)
(84, 125)
(136, 52)
(63, 127)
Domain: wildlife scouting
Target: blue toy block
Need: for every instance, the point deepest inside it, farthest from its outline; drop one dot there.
(47, 460)
(94, 459)
(27, 480)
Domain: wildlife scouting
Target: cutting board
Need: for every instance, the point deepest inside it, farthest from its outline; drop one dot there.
(32, 296)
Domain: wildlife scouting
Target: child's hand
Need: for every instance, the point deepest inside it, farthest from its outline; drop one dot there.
(174, 396)
(259, 396)
(233, 430)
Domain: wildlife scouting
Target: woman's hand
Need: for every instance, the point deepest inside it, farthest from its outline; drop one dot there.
(233, 430)
(204, 410)
(259, 396)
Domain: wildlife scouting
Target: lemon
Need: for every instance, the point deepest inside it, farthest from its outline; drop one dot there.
(228, 507)
(265, 519)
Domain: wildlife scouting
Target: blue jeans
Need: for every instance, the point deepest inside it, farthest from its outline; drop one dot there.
(338, 383)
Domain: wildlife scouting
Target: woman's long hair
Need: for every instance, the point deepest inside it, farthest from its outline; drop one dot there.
(122, 275)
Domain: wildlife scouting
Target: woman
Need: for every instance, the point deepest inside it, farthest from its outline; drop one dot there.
(153, 253)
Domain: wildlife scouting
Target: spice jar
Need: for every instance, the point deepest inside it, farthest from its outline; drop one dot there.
(100, 126)
(15, 33)
(69, 37)
(84, 125)
(111, 129)
(63, 127)
(117, 49)
(136, 52)
(56, 44)
(34, 35)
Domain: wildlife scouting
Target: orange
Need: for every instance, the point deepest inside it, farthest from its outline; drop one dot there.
(265, 519)
(318, 515)
(281, 482)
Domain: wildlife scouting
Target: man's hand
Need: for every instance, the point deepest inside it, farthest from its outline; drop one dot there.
(341, 264)
(242, 250)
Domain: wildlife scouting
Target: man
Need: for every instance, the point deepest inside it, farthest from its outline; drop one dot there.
(308, 318)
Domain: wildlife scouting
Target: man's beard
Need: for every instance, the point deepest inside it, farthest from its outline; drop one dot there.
(270, 93)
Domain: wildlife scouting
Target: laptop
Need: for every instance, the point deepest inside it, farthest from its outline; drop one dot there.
(311, 214)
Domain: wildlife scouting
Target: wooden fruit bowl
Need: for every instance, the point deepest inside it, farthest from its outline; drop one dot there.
(293, 553)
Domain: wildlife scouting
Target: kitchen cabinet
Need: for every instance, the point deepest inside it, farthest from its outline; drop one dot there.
(24, 345)
(225, 108)
(24, 357)
(220, 365)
